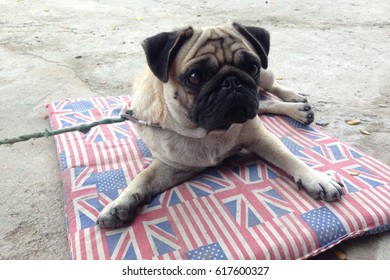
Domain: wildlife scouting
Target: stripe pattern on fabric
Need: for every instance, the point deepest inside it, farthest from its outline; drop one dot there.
(242, 209)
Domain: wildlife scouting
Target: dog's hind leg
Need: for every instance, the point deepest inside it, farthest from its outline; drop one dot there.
(300, 112)
(268, 83)
(295, 105)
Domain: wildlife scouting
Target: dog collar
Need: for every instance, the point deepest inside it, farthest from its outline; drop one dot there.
(129, 115)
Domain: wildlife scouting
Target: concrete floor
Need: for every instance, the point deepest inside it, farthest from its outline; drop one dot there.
(338, 52)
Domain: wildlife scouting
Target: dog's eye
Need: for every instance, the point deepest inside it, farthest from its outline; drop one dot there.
(195, 78)
(253, 70)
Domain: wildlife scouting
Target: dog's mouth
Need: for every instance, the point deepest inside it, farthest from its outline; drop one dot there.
(226, 108)
(237, 114)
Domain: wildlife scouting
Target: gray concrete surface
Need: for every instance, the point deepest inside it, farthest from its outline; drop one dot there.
(336, 51)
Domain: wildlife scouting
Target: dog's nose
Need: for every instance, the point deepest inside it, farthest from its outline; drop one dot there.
(231, 82)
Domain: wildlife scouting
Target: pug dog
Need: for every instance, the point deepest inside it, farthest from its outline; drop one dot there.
(197, 104)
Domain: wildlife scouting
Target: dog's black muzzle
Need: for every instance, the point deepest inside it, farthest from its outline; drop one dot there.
(234, 101)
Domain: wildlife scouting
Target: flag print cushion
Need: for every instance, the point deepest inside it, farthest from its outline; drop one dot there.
(244, 208)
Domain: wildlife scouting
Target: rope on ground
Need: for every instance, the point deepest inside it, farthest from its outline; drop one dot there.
(84, 128)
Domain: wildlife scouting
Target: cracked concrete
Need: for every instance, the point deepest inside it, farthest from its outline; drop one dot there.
(76, 75)
(337, 52)
(59, 64)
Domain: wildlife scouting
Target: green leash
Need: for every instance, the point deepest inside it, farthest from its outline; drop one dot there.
(84, 128)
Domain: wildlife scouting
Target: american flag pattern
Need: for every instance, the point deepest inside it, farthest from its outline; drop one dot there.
(243, 209)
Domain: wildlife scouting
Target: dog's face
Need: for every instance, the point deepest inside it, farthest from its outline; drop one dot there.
(212, 74)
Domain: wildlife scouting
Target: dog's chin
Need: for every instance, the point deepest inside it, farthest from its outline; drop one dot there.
(226, 109)
(234, 116)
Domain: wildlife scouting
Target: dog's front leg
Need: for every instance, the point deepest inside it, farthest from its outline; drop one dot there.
(156, 178)
(317, 184)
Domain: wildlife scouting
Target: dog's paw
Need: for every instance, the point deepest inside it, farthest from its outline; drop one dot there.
(306, 114)
(301, 112)
(320, 186)
(293, 96)
(299, 98)
(119, 212)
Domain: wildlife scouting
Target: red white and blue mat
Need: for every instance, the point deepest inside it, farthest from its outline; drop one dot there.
(243, 209)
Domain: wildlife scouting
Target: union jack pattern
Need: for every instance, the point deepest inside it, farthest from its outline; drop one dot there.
(244, 208)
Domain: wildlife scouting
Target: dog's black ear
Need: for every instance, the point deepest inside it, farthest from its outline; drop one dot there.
(259, 38)
(161, 49)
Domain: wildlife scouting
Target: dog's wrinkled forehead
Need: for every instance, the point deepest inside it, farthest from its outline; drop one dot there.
(222, 47)
(221, 43)
(177, 48)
